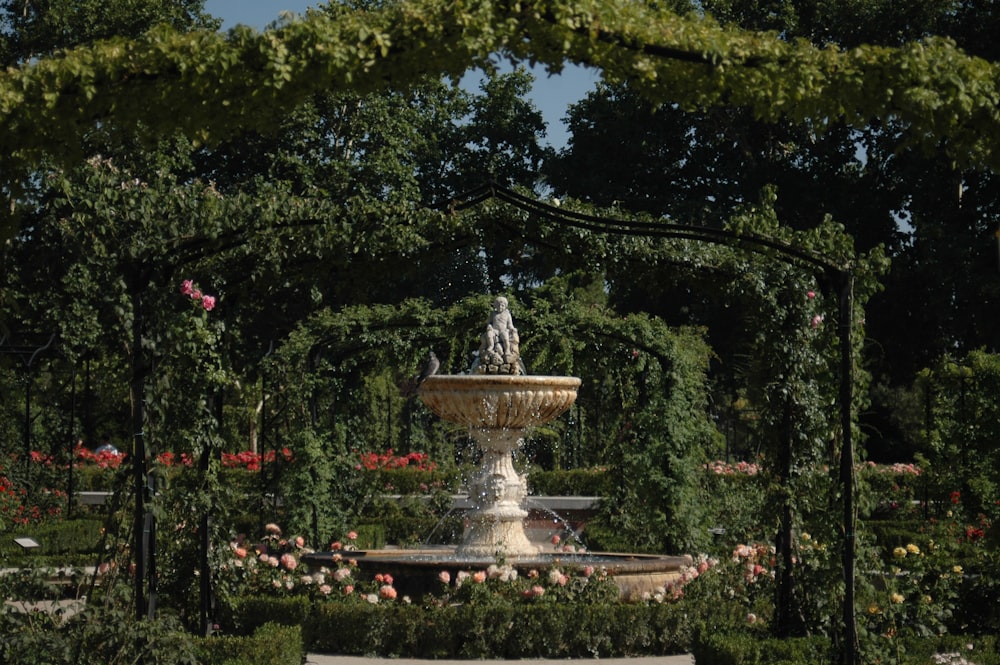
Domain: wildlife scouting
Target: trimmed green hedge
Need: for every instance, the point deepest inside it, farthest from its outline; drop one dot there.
(985, 649)
(753, 649)
(542, 630)
(76, 536)
(270, 644)
(573, 482)
(416, 481)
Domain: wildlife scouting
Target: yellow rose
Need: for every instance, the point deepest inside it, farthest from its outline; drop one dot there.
(873, 609)
(912, 549)
(899, 552)
(896, 598)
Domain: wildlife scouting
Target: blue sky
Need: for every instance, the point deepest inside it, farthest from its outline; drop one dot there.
(551, 94)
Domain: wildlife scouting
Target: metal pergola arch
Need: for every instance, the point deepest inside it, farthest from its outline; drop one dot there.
(834, 277)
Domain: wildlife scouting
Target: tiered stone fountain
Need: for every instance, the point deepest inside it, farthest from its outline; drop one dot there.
(499, 404)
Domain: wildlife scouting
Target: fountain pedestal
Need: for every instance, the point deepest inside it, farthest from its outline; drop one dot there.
(496, 522)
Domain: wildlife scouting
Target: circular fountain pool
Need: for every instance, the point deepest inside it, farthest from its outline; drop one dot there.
(415, 572)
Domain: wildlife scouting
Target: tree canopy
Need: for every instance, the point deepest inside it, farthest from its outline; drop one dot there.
(210, 85)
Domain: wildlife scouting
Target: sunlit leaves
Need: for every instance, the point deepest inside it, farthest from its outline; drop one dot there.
(211, 85)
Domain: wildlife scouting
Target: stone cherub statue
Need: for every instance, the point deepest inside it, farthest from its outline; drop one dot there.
(499, 351)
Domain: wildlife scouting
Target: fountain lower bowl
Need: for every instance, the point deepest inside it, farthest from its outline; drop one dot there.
(415, 572)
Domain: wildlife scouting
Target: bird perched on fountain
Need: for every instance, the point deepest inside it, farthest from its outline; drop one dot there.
(409, 388)
(431, 368)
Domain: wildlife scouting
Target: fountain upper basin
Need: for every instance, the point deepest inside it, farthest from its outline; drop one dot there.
(491, 401)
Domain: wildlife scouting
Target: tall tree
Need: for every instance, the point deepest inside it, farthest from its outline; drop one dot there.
(38, 28)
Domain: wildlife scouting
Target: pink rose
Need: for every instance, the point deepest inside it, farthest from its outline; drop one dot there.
(300, 542)
(335, 546)
(810, 294)
(556, 539)
(479, 576)
(349, 589)
(196, 294)
(352, 535)
(208, 302)
(387, 592)
(187, 286)
(445, 577)
(816, 321)
(288, 561)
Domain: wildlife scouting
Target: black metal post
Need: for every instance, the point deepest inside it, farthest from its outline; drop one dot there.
(784, 593)
(71, 438)
(27, 424)
(27, 409)
(143, 524)
(205, 538)
(851, 647)
(261, 443)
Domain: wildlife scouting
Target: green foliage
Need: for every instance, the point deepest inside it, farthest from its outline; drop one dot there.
(737, 502)
(750, 649)
(571, 482)
(309, 485)
(913, 593)
(978, 611)
(477, 631)
(408, 520)
(950, 650)
(76, 536)
(270, 644)
(103, 632)
(960, 431)
(941, 93)
(417, 481)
